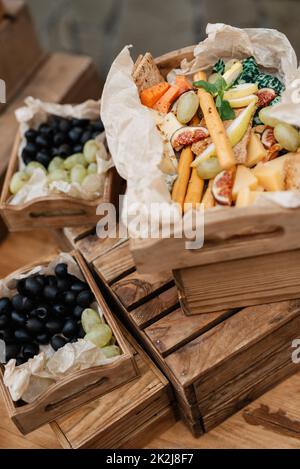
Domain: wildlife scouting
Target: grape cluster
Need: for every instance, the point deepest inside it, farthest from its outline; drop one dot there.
(46, 309)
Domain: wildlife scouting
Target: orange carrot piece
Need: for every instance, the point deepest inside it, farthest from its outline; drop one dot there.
(165, 102)
(151, 95)
(183, 83)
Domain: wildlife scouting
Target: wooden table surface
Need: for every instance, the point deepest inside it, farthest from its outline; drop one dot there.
(273, 421)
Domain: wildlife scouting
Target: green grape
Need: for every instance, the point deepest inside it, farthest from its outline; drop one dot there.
(56, 163)
(58, 175)
(92, 183)
(287, 136)
(90, 151)
(34, 165)
(264, 116)
(92, 168)
(100, 335)
(208, 169)
(111, 351)
(89, 319)
(18, 180)
(78, 173)
(73, 160)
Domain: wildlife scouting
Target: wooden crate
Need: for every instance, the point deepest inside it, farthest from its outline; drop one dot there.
(229, 234)
(125, 417)
(55, 211)
(78, 387)
(217, 362)
(20, 51)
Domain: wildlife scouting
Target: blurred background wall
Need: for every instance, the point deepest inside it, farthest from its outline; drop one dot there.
(100, 28)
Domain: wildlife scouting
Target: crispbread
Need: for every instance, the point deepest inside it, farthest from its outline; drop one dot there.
(146, 73)
(292, 172)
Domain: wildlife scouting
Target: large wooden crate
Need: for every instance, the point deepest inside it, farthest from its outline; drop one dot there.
(229, 234)
(81, 386)
(217, 362)
(126, 417)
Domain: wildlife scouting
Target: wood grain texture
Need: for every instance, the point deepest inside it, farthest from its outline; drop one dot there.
(116, 265)
(239, 283)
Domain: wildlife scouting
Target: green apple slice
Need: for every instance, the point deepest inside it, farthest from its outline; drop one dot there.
(240, 91)
(233, 73)
(235, 132)
(243, 102)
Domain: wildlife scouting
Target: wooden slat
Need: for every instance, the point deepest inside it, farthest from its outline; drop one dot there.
(133, 289)
(156, 308)
(92, 247)
(229, 338)
(75, 233)
(117, 264)
(176, 329)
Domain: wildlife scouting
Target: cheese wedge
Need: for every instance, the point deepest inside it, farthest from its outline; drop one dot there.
(246, 197)
(256, 151)
(244, 179)
(271, 175)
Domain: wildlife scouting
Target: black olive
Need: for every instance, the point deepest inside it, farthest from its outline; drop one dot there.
(46, 132)
(33, 286)
(8, 336)
(19, 319)
(75, 134)
(77, 312)
(54, 152)
(27, 158)
(61, 270)
(85, 298)
(64, 150)
(43, 158)
(77, 149)
(59, 310)
(5, 305)
(64, 125)
(21, 287)
(54, 121)
(86, 136)
(51, 280)
(30, 135)
(72, 279)
(42, 142)
(60, 138)
(20, 361)
(42, 313)
(81, 332)
(79, 286)
(22, 336)
(70, 328)
(69, 298)
(43, 339)
(30, 350)
(31, 149)
(41, 279)
(4, 321)
(22, 303)
(58, 342)
(63, 284)
(50, 293)
(80, 122)
(54, 326)
(34, 326)
(11, 351)
(98, 126)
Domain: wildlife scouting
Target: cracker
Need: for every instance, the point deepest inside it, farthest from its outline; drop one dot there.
(146, 73)
(292, 172)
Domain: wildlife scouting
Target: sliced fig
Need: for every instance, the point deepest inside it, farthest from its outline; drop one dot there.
(273, 152)
(222, 187)
(188, 136)
(265, 96)
(268, 139)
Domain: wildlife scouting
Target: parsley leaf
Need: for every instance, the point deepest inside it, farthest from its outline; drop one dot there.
(217, 90)
(209, 87)
(225, 110)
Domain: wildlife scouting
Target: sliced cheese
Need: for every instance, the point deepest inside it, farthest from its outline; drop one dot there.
(271, 175)
(246, 197)
(244, 179)
(256, 151)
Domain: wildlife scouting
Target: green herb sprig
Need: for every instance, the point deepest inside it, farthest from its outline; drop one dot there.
(217, 90)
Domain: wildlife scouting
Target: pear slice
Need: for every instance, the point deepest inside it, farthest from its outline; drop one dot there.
(235, 132)
(233, 73)
(243, 102)
(240, 91)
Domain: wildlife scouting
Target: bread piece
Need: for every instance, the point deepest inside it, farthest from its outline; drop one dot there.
(292, 172)
(146, 73)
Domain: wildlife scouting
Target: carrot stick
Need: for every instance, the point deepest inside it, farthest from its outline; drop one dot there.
(183, 83)
(208, 199)
(165, 102)
(184, 171)
(194, 190)
(151, 95)
(215, 126)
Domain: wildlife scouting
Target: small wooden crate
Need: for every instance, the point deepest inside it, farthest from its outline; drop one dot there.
(55, 211)
(79, 387)
(217, 362)
(229, 234)
(126, 417)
